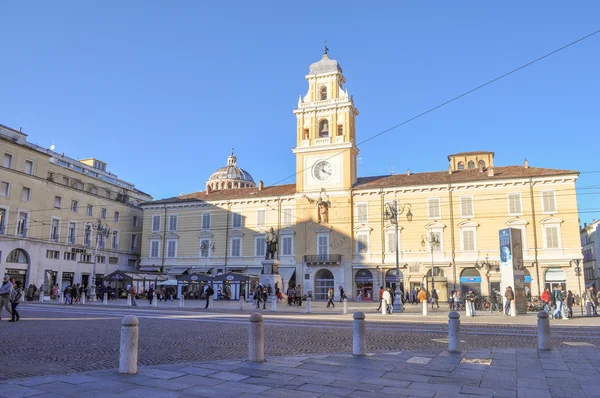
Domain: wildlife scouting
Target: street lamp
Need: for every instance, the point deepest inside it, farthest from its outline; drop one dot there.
(392, 212)
(434, 241)
(578, 273)
(101, 230)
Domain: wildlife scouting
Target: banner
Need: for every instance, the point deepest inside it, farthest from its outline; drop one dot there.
(511, 266)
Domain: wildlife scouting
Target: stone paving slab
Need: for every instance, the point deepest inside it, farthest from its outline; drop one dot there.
(336, 375)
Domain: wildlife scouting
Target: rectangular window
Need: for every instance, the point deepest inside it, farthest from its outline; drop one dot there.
(101, 240)
(288, 215)
(154, 249)
(65, 180)
(135, 221)
(79, 185)
(466, 207)
(103, 214)
(434, 208)
(133, 245)
(132, 262)
(391, 242)
(549, 202)
(286, 244)
(236, 247)
(71, 233)
(323, 246)
(74, 206)
(362, 243)
(4, 188)
(552, 236)
(362, 211)
(7, 160)
(173, 222)
(25, 194)
(205, 221)
(22, 225)
(53, 254)
(340, 129)
(515, 205)
(155, 223)
(87, 235)
(237, 220)
(28, 167)
(70, 256)
(54, 225)
(172, 248)
(94, 190)
(113, 260)
(117, 216)
(115, 240)
(57, 202)
(85, 258)
(107, 193)
(468, 240)
(261, 218)
(90, 211)
(100, 259)
(2, 221)
(260, 246)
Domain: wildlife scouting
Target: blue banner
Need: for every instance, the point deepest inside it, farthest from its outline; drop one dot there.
(528, 279)
(470, 279)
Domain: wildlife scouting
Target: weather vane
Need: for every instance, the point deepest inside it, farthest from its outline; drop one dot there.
(326, 49)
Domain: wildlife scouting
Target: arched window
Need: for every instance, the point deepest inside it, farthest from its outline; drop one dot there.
(229, 185)
(482, 164)
(471, 164)
(324, 128)
(461, 165)
(323, 93)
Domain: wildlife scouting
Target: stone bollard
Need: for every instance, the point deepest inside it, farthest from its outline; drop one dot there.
(256, 339)
(425, 308)
(129, 300)
(383, 308)
(588, 309)
(211, 302)
(345, 306)
(274, 303)
(41, 297)
(105, 299)
(241, 304)
(62, 298)
(181, 299)
(467, 309)
(128, 351)
(454, 331)
(308, 305)
(155, 302)
(513, 308)
(359, 334)
(543, 331)
(83, 298)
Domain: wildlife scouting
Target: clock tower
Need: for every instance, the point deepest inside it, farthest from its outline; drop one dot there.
(326, 148)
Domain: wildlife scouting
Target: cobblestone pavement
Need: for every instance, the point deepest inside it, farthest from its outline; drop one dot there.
(58, 340)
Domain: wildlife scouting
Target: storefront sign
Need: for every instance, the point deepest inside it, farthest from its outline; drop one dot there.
(230, 278)
(528, 279)
(194, 278)
(470, 279)
(555, 275)
(80, 251)
(16, 271)
(67, 275)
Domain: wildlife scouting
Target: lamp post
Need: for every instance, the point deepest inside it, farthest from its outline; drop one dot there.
(488, 267)
(433, 240)
(101, 230)
(578, 273)
(392, 212)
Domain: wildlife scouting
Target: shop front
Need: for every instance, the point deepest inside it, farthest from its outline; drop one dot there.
(363, 281)
(323, 282)
(192, 286)
(20, 275)
(554, 277)
(67, 280)
(440, 281)
(391, 280)
(233, 285)
(17, 265)
(470, 278)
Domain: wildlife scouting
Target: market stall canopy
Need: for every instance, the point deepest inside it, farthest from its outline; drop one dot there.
(194, 278)
(232, 277)
(135, 276)
(169, 282)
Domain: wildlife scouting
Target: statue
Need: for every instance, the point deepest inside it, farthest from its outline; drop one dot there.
(271, 239)
(323, 208)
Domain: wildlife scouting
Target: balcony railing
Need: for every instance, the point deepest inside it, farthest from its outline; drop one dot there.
(323, 259)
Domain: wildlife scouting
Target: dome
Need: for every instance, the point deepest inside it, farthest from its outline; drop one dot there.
(325, 65)
(230, 176)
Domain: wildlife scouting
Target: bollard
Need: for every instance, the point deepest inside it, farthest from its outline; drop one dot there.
(128, 351)
(383, 307)
(181, 301)
(41, 297)
(454, 331)
(62, 298)
(467, 309)
(155, 302)
(256, 339)
(543, 331)
(359, 334)
(425, 308)
(105, 299)
(345, 306)
(274, 303)
(588, 309)
(513, 308)
(241, 304)
(308, 305)
(129, 300)
(83, 298)
(211, 302)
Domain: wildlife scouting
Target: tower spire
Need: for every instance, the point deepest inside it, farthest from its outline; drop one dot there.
(231, 160)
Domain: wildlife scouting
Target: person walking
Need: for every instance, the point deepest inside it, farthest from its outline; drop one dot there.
(386, 300)
(381, 291)
(546, 299)
(133, 292)
(265, 297)
(209, 293)
(299, 295)
(493, 301)
(342, 294)
(560, 309)
(330, 298)
(67, 293)
(434, 298)
(413, 294)
(15, 298)
(470, 299)
(5, 290)
(570, 301)
(291, 293)
(150, 294)
(509, 295)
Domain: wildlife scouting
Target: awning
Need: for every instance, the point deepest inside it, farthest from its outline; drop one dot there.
(177, 270)
(587, 285)
(194, 278)
(231, 277)
(149, 268)
(286, 273)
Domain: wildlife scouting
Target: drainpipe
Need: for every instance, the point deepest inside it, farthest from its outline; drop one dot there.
(452, 241)
(535, 242)
(164, 240)
(228, 213)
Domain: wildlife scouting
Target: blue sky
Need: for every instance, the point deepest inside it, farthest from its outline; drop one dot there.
(162, 90)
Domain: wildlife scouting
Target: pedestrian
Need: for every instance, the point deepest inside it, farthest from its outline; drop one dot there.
(209, 293)
(595, 300)
(560, 309)
(29, 296)
(290, 295)
(150, 294)
(74, 297)
(342, 294)
(67, 293)
(15, 298)
(330, 298)
(5, 290)
(570, 301)
(265, 296)
(413, 293)
(55, 292)
(381, 291)
(509, 295)
(386, 301)
(470, 299)
(546, 299)
(133, 292)
(451, 301)
(299, 295)
(257, 296)
(434, 298)
(422, 296)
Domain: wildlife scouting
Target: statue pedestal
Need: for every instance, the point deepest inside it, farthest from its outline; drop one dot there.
(270, 275)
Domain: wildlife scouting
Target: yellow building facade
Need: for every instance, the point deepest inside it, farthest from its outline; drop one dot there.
(49, 205)
(332, 225)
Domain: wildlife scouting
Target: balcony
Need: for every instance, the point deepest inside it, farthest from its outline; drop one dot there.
(335, 259)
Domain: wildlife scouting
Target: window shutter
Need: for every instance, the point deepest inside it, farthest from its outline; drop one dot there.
(549, 202)
(434, 208)
(466, 203)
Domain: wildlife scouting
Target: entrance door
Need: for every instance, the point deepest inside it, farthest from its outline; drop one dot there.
(364, 284)
(323, 282)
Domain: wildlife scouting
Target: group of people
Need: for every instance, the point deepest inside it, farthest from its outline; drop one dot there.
(591, 298)
(10, 297)
(555, 301)
(75, 293)
(294, 295)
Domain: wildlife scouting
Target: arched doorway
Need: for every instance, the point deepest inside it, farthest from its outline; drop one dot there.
(391, 280)
(470, 278)
(17, 266)
(364, 284)
(440, 281)
(323, 281)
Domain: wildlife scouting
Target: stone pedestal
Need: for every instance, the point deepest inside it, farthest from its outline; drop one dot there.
(270, 275)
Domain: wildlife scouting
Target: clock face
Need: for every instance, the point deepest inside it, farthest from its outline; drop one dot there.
(322, 170)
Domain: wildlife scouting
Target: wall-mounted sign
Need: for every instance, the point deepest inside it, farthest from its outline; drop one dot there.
(470, 279)
(16, 271)
(230, 278)
(194, 278)
(67, 275)
(80, 251)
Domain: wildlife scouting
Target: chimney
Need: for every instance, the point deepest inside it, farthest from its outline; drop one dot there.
(20, 131)
(526, 164)
(449, 169)
(261, 185)
(490, 172)
(407, 172)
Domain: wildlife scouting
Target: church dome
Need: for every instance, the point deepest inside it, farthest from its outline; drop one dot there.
(230, 177)
(325, 65)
